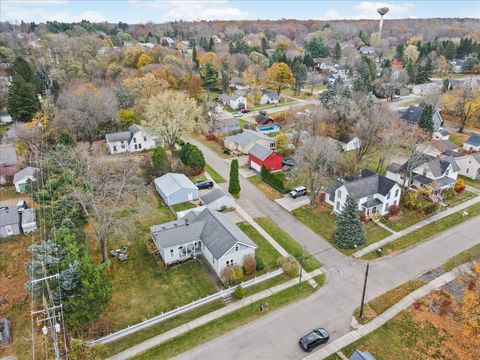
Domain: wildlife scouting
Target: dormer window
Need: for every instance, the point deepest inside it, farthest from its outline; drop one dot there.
(236, 247)
(134, 140)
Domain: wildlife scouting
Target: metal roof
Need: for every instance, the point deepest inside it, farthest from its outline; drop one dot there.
(260, 152)
(172, 182)
(28, 216)
(25, 173)
(119, 136)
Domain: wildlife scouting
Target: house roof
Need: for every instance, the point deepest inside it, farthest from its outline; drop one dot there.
(367, 48)
(260, 152)
(172, 182)
(412, 114)
(216, 231)
(394, 167)
(436, 166)
(371, 203)
(9, 217)
(270, 94)
(223, 120)
(443, 132)
(8, 155)
(213, 196)
(236, 81)
(236, 97)
(262, 119)
(28, 216)
(369, 185)
(441, 145)
(361, 355)
(25, 173)
(118, 136)
(247, 137)
(473, 140)
(224, 98)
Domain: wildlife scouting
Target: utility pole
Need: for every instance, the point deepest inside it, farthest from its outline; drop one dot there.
(364, 289)
(302, 259)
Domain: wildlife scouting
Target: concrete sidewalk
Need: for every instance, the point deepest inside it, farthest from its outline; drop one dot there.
(403, 304)
(417, 226)
(154, 341)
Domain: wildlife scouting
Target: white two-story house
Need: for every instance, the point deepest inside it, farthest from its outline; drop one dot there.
(137, 138)
(208, 233)
(374, 193)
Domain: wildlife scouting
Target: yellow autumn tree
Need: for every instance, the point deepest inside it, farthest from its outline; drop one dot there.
(410, 53)
(209, 58)
(464, 104)
(143, 60)
(279, 76)
(471, 306)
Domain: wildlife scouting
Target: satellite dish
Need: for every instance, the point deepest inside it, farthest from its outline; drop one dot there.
(383, 10)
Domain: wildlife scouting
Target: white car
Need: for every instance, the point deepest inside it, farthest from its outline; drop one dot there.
(298, 191)
(237, 115)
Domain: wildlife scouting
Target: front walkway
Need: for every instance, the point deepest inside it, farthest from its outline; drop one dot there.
(417, 226)
(157, 340)
(381, 319)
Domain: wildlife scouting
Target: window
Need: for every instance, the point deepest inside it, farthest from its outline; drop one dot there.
(236, 247)
(139, 146)
(123, 145)
(338, 205)
(339, 193)
(447, 172)
(114, 149)
(9, 230)
(171, 253)
(396, 193)
(136, 146)
(145, 138)
(134, 139)
(467, 170)
(230, 262)
(388, 196)
(272, 145)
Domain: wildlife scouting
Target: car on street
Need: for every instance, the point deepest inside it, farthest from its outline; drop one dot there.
(207, 184)
(244, 111)
(21, 205)
(313, 339)
(237, 115)
(298, 191)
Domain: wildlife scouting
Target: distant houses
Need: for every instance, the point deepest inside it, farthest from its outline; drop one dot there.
(457, 65)
(223, 122)
(367, 50)
(236, 101)
(242, 143)
(472, 143)
(14, 223)
(137, 138)
(413, 114)
(22, 177)
(269, 97)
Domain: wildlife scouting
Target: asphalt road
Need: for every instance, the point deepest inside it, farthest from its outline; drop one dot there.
(275, 336)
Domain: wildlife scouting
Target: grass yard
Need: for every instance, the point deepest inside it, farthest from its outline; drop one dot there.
(267, 284)
(458, 138)
(426, 232)
(264, 187)
(385, 301)
(470, 182)
(323, 223)
(265, 250)
(212, 145)
(283, 101)
(464, 257)
(460, 198)
(141, 287)
(183, 206)
(408, 218)
(229, 322)
(288, 243)
(214, 175)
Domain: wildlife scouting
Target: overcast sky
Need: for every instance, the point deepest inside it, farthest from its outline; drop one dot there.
(135, 11)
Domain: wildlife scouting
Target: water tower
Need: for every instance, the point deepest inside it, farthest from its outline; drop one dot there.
(382, 11)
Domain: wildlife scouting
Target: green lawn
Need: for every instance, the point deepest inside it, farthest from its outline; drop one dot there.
(264, 187)
(141, 287)
(322, 222)
(460, 198)
(183, 206)
(464, 257)
(215, 175)
(242, 123)
(288, 243)
(229, 322)
(385, 301)
(426, 232)
(470, 182)
(265, 250)
(458, 138)
(408, 218)
(212, 145)
(267, 284)
(283, 101)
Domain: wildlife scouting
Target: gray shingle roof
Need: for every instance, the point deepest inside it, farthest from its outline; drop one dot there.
(246, 137)
(8, 155)
(9, 217)
(260, 152)
(412, 114)
(119, 136)
(28, 216)
(371, 203)
(435, 165)
(441, 145)
(172, 182)
(270, 94)
(25, 173)
(216, 231)
(212, 196)
(473, 140)
(369, 185)
(361, 355)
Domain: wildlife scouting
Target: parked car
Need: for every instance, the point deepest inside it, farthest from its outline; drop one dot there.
(237, 115)
(298, 191)
(244, 111)
(207, 184)
(313, 339)
(21, 205)
(289, 162)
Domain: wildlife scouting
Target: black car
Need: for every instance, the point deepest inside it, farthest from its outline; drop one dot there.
(244, 111)
(289, 162)
(207, 184)
(313, 339)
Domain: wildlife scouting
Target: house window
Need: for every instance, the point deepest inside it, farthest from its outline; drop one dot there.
(145, 138)
(9, 230)
(388, 196)
(396, 193)
(447, 172)
(339, 193)
(136, 146)
(171, 253)
(467, 170)
(230, 262)
(338, 205)
(139, 146)
(123, 145)
(134, 139)
(114, 149)
(236, 247)
(272, 145)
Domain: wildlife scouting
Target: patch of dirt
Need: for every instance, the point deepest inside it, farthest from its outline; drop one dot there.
(432, 274)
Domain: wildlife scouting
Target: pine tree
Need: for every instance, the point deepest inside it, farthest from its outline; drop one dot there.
(211, 45)
(195, 159)
(337, 52)
(22, 100)
(225, 79)
(426, 119)
(196, 64)
(264, 46)
(349, 231)
(234, 183)
(209, 75)
(300, 72)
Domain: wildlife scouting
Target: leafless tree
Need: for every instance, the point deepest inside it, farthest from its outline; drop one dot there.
(390, 143)
(412, 137)
(317, 161)
(100, 187)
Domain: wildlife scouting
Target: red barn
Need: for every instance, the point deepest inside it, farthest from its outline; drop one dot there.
(259, 157)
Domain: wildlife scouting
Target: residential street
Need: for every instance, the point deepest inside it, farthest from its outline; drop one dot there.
(276, 336)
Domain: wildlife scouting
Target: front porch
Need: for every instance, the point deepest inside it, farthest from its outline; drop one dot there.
(189, 250)
(372, 209)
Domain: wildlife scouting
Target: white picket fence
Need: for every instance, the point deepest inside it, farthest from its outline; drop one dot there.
(181, 309)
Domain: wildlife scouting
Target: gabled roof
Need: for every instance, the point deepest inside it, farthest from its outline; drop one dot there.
(25, 173)
(473, 140)
(213, 196)
(361, 355)
(8, 155)
(247, 137)
(9, 216)
(119, 136)
(172, 182)
(216, 231)
(224, 98)
(28, 216)
(270, 94)
(260, 152)
(436, 166)
(412, 114)
(369, 183)
(441, 145)
(236, 97)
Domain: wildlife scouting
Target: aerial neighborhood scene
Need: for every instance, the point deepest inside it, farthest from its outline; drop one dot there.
(239, 180)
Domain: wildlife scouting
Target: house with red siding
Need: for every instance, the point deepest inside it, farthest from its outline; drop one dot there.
(259, 157)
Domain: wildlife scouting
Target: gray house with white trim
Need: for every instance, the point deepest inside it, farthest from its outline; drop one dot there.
(413, 114)
(176, 188)
(9, 222)
(209, 233)
(22, 177)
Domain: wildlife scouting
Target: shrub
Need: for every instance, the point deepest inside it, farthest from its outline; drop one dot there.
(249, 265)
(448, 194)
(289, 265)
(260, 263)
(393, 210)
(192, 156)
(231, 274)
(362, 216)
(238, 293)
(430, 209)
(460, 185)
(411, 200)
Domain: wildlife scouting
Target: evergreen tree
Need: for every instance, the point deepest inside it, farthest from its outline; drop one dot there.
(337, 52)
(225, 79)
(204, 43)
(160, 160)
(363, 82)
(264, 46)
(426, 119)
(349, 231)
(234, 182)
(300, 72)
(196, 64)
(308, 61)
(411, 68)
(195, 159)
(22, 100)
(316, 47)
(209, 75)
(211, 45)
(399, 52)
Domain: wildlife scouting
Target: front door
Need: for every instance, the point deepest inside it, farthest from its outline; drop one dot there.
(190, 196)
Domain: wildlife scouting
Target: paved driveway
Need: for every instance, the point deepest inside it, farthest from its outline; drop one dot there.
(290, 204)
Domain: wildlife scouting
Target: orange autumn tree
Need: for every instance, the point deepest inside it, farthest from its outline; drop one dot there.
(471, 306)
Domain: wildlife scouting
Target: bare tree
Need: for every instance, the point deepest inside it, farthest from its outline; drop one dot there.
(317, 161)
(412, 137)
(464, 102)
(100, 188)
(390, 143)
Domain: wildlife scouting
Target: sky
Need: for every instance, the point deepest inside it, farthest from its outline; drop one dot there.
(141, 11)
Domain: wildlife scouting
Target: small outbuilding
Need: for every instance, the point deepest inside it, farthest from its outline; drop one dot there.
(472, 143)
(22, 177)
(29, 223)
(218, 200)
(260, 157)
(176, 188)
(9, 222)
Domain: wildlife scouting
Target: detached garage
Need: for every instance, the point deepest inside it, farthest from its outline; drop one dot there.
(260, 156)
(21, 178)
(176, 188)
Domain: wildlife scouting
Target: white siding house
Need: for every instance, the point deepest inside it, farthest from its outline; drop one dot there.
(218, 200)
(22, 177)
(176, 188)
(469, 165)
(472, 143)
(350, 144)
(269, 97)
(137, 138)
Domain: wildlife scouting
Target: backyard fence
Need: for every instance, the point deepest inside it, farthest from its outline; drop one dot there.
(181, 309)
